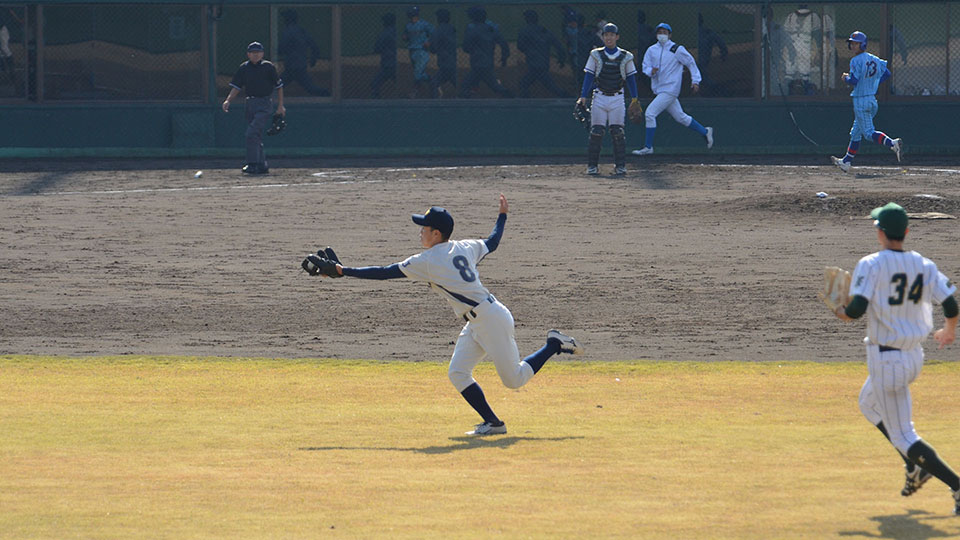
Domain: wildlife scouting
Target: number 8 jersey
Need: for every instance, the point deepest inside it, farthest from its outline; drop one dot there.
(867, 69)
(899, 286)
(451, 269)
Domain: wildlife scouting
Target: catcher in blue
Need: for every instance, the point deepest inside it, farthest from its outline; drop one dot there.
(866, 73)
(895, 289)
(449, 267)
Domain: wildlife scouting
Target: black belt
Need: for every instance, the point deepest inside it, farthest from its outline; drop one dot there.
(258, 97)
(884, 348)
(473, 314)
(617, 93)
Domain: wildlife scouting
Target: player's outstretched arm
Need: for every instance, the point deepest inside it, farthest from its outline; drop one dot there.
(494, 239)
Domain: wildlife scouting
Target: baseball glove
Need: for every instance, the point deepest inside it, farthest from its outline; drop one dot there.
(278, 125)
(836, 286)
(323, 263)
(582, 114)
(635, 111)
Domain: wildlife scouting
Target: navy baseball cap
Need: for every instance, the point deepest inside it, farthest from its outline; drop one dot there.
(891, 218)
(610, 28)
(255, 46)
(664, 25)
(438, 218)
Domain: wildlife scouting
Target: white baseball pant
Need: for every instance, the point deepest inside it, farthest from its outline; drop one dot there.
(885, 395)
(671, 104)
(607, 110)
(489, 334)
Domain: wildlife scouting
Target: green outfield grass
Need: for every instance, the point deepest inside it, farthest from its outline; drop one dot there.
(252, 448)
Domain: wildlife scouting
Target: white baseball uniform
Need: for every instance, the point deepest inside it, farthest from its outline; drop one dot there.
(607, 109)
(451, 270)
(899, 286)
(669, 58)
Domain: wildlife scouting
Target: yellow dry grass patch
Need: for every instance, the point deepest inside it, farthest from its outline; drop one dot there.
(252, 448)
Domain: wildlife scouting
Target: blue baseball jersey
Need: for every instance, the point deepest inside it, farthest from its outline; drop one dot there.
(867, 69)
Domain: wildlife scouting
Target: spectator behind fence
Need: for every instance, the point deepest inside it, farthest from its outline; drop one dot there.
(417, 35)
(443, 43)
(480, 41)
(707, 39)
(298, 50)
(6, 56)
(535, 42)
(587, 41)
(386, 47)
(569, 35)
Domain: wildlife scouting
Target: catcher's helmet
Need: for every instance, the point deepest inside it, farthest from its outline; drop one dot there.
(858, 37)
(610, 28)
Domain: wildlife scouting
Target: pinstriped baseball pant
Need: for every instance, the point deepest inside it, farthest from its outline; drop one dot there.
(864, 109)
(885, 395)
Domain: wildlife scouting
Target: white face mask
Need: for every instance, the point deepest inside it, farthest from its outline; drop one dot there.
(663, 38)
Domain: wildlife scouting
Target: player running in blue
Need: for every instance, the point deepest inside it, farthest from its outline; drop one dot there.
(866, 73)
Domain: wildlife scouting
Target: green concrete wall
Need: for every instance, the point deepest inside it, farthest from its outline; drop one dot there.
(477, 128)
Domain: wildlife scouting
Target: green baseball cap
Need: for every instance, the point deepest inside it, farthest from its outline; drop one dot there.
(890, 218)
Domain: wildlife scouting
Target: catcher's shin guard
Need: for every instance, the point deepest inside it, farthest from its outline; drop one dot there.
(596, 142)
(619, 145)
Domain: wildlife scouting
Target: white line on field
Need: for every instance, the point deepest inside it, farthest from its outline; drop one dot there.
(892, 168)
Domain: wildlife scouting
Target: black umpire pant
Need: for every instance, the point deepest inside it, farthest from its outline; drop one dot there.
(484, 75)
(259, 113)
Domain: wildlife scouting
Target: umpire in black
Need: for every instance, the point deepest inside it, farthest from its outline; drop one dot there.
(257, 78)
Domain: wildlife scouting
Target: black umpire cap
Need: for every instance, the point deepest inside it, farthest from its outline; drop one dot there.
(255, 46)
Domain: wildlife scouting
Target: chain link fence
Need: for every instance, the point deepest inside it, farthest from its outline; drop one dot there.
(172, 52)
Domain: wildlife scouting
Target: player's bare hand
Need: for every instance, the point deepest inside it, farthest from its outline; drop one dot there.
(695, 87)
(944, 337)
(281, 110)
(653, 71)
(226, 106)
(503, 204)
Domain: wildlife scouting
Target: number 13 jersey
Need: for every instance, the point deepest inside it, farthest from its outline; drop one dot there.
(899, 286)
(867, 69)
(451, 269)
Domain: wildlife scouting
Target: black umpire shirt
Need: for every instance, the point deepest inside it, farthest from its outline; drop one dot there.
(257, 80)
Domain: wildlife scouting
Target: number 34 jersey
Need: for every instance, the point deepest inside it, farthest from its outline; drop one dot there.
(867, 69)
(899, 286)
(451, 269)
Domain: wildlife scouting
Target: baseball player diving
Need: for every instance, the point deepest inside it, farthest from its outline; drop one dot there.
(866, 73)
(894, 288)
(449, 267)
(663, 63)
(605, 72)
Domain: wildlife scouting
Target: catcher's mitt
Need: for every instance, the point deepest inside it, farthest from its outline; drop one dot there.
(635, 112)
(278, 125)
(836, 286)
(582, 114)
(323, 263)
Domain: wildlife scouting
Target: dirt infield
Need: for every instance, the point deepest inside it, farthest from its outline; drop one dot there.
(677, 260)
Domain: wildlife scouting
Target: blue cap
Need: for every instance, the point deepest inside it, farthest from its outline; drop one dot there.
(858, 37)
(437, 218)
(610, 28)
(255, 46)
(664, 25)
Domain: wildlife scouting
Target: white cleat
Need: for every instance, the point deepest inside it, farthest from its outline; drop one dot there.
(645, 151)
(593, 171)
(619, 170)
(897, 148)
(709, 137)
(844, 166)
(567, 344)
(487, 428)
(914, 481)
